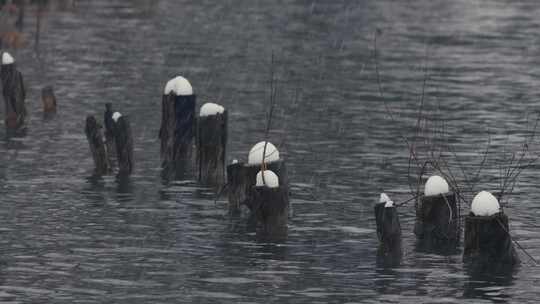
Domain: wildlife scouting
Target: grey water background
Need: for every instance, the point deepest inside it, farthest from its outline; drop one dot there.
(67, 239)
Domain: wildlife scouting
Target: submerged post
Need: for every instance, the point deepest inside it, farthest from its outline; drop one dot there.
(124, 144)
(211, 144)
(49, 101)
(270, 205)
(487, 234)
(388, 231)
(437, 217)
(97, 148)
(177, 127)
(14, 94)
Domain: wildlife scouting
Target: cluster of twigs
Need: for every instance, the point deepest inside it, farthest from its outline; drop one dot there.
(514, 163)
(436, 154)
(429, 150)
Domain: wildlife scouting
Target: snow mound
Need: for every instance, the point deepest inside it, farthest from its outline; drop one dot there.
(485, 204)
(116, 115)
(179, 86)
(7, 58)
(255, 156)
(386, 200)
(271, 180)
(209, 109)
(436, 185)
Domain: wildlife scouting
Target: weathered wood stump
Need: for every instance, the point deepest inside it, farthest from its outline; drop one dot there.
(176, 134)
(97, 147)
(48, 100)
(437, 222)
(109, 132)
(241, 178)
(124, 145)
(211, 146)
(488, 241)
(271, 209)
(388, 231)
(14, 94)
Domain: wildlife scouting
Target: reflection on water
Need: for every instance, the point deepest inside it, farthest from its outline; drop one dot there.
(70, 238)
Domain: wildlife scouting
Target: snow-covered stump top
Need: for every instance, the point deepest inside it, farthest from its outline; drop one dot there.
(211, 143)
(267, 178)
(488, 242)
(255, 156)
(437, 216)
(388, 229)
(436, 185)
(485, 204)
(177, 129)
(210, 109)
(7, 59)
(179, 86)
(124, 144)
(14, 94)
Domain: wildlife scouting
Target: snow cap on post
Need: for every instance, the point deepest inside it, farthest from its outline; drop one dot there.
(116, 116)
(485, 204)
(256, 153)
(386, 200)
(7, 58)
(179, 86)
(436, 185)
(271, 180)
(209, 109)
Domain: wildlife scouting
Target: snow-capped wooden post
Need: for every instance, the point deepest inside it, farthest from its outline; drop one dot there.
(109, 132)
(487, 234)
(177, 127)
(388, 230)
(241, 176)
(49, 101)
(270, 205)
(14, 94)
(211, 144)
(437, 217)
(97, 148)
(124, 144)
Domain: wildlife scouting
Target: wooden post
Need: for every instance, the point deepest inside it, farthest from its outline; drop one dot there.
(177, 128)
(488, 241)
(19, 24)
(97, 148)
(271, 208)
(236, 185)
(49, 101)
(14, 95)
(241, 178)
(211, 145)
(388, 232)
(437, 222)
(124, 144)
(109, 133)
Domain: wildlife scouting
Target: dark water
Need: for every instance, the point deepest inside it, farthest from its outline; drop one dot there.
(66, 239)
